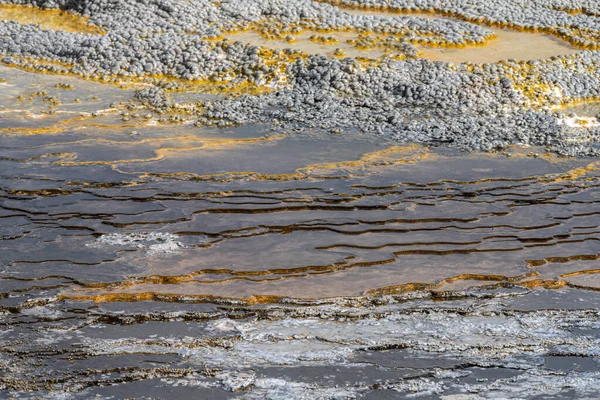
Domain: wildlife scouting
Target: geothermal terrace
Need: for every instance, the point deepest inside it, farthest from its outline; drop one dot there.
(294, 199)
(477, 105)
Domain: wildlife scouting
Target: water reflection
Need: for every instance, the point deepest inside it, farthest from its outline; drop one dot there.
(257, 212)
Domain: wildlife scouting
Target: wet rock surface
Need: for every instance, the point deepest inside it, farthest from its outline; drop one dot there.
(322, 266)
(186, 215)
(480, 345)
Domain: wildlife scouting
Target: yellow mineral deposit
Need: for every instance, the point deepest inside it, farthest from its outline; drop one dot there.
(49, 19)
(521, 46)
(507, 44)
(368, 260)
(312, 46)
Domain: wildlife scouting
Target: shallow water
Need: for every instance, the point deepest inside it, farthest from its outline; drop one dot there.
(48, 19)
(521, 46)
(302, 42)
(163, 260)
(300, 211)
(508, 44)
(589, 109)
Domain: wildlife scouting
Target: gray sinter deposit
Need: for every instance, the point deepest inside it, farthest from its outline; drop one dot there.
(475, 107)
(169, 228)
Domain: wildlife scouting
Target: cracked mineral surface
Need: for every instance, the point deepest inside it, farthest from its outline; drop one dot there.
(293, 199)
